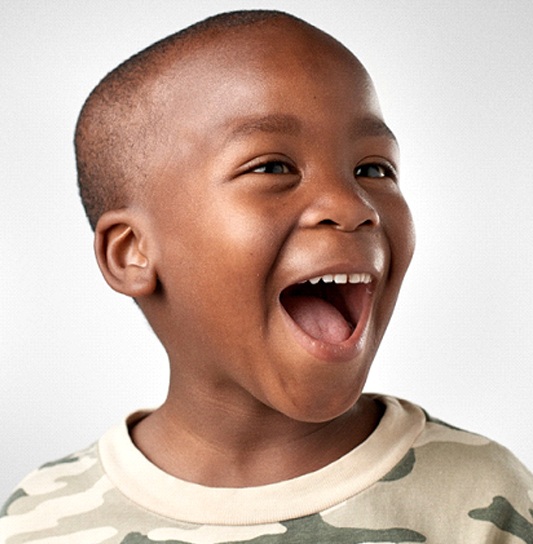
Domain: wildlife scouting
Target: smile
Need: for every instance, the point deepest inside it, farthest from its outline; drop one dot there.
(328, 308)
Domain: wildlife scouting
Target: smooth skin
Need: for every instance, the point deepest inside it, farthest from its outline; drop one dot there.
(275, 166)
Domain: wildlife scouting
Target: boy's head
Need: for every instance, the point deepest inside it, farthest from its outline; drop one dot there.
(222, 169)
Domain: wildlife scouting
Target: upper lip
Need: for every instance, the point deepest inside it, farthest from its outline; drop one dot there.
(327, 257)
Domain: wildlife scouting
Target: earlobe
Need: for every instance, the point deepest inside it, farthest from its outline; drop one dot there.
(122, 253)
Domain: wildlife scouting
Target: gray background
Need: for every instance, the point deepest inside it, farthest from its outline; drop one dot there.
(455, 81)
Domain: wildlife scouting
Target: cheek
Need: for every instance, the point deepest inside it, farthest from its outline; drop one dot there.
(399, 229)
(220, 266)
(247, 237)
(406, 246)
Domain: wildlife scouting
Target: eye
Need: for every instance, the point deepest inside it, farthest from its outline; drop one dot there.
(375, 171)
(272, 167)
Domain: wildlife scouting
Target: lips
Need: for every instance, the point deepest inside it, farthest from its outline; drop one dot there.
(328, 308)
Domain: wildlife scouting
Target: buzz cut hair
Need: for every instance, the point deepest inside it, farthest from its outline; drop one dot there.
(119, 124)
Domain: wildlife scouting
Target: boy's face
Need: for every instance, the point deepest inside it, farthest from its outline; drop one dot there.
(275, 168)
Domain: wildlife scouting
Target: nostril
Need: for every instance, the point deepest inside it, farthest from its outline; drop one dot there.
(366, 223)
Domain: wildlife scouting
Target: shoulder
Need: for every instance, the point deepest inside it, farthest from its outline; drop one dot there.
(56, 489)
(57, 477)
(492, 486)
(455, 451)
(457, 484)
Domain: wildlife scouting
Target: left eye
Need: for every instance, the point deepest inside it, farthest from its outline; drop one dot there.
(373, 170)
(273, 167)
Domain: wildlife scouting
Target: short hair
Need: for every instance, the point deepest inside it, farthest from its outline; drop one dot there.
(118, 124)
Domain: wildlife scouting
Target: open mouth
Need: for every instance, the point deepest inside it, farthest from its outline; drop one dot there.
(327, 308)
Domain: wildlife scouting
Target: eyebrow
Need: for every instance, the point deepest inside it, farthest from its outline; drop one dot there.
(370, 126)
(287, 124)
(373, 126)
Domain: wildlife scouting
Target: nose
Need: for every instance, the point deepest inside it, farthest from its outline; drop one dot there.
(341, 203)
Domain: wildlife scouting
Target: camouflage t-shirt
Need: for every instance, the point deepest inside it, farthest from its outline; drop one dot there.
(414, 479)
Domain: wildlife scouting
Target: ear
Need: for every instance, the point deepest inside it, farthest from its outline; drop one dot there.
(122, 251)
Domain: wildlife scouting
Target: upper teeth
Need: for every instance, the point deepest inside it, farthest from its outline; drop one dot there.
(342, 278)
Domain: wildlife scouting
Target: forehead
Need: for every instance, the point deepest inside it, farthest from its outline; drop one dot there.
(274, 59)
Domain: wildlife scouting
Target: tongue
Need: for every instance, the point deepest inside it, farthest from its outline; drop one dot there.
(318, 318)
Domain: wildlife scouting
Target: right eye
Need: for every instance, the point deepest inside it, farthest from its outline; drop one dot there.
(272, 167)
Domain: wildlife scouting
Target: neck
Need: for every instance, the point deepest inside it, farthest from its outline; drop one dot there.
(218, 445)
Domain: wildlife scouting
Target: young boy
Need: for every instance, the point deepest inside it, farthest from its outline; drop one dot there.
(243, 189)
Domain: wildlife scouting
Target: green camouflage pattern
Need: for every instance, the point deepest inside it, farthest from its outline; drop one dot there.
(450, 487)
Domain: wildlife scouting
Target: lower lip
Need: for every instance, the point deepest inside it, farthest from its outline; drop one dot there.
(332, 353)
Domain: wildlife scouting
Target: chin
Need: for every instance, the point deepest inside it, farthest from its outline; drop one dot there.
(321, 408)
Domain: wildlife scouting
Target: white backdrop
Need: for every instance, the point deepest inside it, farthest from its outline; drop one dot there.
(455, 81)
